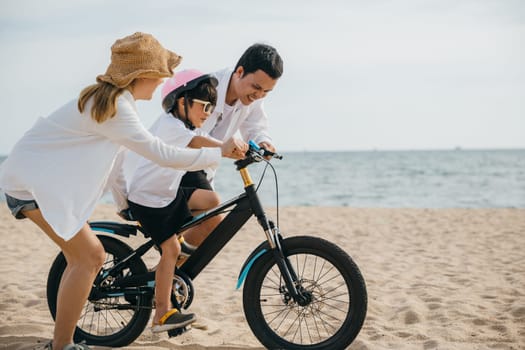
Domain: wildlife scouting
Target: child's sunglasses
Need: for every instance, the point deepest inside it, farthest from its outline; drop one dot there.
(207, 106)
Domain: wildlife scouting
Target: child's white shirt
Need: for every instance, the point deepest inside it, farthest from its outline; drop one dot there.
(150, 184)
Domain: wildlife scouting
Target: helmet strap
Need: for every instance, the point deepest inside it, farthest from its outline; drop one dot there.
(185, 119)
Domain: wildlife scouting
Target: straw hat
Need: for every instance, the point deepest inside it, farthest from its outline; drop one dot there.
(138, 56)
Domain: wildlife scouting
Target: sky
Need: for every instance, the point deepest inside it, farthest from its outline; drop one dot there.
(358, 75)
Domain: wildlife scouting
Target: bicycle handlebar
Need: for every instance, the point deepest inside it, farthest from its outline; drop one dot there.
(254, 154)
(263, 151)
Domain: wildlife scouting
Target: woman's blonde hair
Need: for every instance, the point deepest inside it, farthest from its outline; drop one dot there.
(104, 100)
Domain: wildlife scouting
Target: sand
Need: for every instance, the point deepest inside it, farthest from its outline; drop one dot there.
(436, 279)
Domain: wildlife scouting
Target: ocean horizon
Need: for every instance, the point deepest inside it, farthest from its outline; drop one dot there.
(458, 178)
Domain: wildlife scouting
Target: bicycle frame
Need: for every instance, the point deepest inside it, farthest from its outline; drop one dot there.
(242, 208)
(300, 292)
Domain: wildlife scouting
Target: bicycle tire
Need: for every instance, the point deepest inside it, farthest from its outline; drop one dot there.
(339, 299)
(113, 328)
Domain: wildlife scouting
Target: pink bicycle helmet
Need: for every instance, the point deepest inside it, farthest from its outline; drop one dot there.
(181, 81)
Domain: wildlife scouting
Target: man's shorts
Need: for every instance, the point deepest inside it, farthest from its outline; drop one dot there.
(196, 179)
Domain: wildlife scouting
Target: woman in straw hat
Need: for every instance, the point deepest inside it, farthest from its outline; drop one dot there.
(57, 171)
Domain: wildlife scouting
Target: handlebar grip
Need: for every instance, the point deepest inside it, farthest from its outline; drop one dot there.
(253, 145)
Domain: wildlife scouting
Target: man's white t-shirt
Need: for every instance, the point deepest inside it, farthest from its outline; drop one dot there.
(223, 120)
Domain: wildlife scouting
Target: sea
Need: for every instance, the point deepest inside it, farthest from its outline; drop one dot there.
(390, 179)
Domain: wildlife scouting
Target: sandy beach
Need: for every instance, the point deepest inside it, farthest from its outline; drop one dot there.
(436, 279)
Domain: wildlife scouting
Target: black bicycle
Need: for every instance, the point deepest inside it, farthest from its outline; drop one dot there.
(299, 292)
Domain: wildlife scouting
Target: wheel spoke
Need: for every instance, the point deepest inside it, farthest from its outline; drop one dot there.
(316, 321)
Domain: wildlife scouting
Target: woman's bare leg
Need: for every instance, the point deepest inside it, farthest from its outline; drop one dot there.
(85, 255)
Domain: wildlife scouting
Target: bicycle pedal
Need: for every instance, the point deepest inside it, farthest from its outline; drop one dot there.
(177, 331)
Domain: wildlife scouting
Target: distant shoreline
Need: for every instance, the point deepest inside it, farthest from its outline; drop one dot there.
(385, 179)
(453, 149)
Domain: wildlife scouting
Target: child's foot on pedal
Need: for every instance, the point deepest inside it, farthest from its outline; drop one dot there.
(173, 319)
(186, 249)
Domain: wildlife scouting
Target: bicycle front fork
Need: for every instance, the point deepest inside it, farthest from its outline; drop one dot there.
(273, 236)
(292, 282)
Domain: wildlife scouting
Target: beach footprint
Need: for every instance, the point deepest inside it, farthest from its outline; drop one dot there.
(430, 344)
(518, 312)
(412, 317)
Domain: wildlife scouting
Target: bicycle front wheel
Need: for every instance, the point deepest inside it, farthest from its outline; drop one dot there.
(335, 288)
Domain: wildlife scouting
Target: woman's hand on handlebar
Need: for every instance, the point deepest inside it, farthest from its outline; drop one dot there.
(234, 148)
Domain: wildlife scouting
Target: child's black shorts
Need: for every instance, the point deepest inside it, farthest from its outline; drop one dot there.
(162, 223)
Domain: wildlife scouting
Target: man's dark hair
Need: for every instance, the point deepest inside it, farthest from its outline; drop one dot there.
(263, 57)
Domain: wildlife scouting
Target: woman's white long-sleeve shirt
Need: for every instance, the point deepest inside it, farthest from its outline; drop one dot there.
(64, 160)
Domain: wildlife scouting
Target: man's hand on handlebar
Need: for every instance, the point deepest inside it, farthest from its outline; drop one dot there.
(268, 146)
(234, 148)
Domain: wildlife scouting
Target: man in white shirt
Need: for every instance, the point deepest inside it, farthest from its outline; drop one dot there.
(240, 94)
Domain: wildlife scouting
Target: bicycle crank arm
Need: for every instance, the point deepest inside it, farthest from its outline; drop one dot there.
(96, 295)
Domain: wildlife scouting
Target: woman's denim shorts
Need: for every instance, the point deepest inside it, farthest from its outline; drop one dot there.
(17, 206)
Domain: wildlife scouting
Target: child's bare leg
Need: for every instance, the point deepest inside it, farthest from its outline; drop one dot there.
(164, 277)
(196, 235)
(202, 200)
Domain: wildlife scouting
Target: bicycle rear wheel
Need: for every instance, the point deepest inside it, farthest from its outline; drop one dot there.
(333, 282)
(114, 321)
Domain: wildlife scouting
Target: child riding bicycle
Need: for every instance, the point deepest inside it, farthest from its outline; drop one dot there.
(156, 199)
